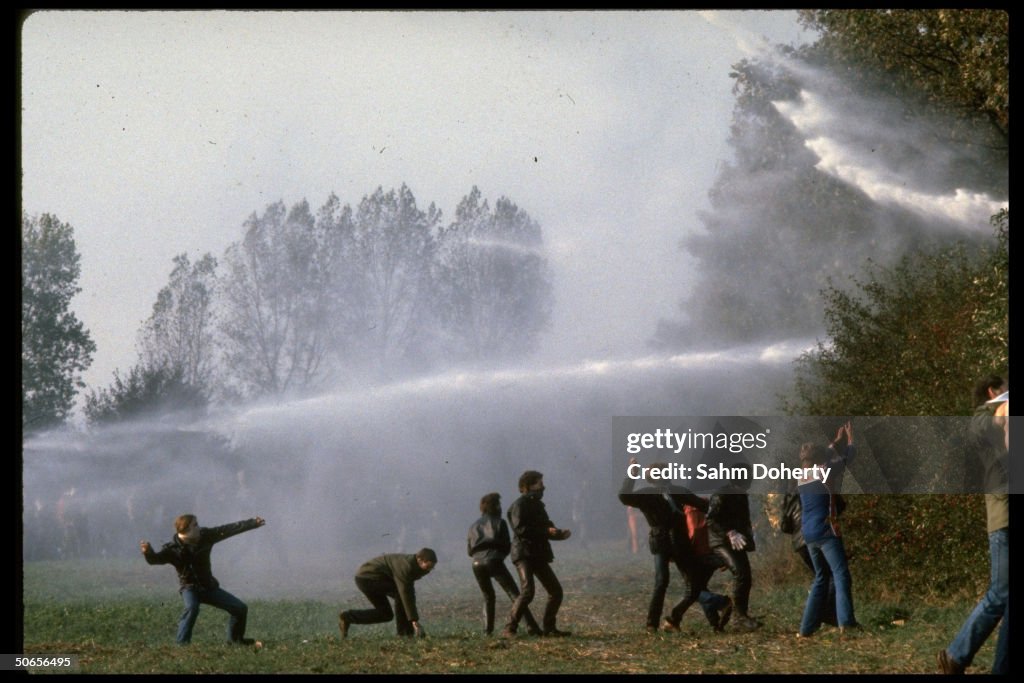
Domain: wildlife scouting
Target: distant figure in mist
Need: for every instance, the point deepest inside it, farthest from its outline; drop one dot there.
(581, 503)
(663, 507)
(189, 553)
(390, 576)
(990, 432)
(819, 524)
(633, 527)
(531, 553)
(731, 537)
(489, 544)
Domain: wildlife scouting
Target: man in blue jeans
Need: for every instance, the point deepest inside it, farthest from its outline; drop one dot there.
(189, 553)
(987, 427)
(820, 528)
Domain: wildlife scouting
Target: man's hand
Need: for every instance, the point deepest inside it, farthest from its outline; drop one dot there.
(145, 547)
(260, 521)
(418, 630)
(737, 540)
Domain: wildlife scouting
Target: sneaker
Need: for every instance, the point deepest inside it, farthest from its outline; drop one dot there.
(670, 627)
(652, 629)
(534, 632)
(508, 633)
(555, 633)
(244, 641)
(724, 616)
(850, 629)
(948, 665)
(343, 625)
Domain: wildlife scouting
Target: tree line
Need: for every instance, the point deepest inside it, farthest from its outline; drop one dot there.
(304, 300)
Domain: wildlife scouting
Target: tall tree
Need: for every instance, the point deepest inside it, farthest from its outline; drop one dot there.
(179, 333)
(275, 321)
(55, 346)
(492, 282)
(387, 290)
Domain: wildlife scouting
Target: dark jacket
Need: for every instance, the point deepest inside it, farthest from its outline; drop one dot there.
(488, 539)
(530, 523)
(729, 509)
(192, 560)
(668, 530)
(402, 570)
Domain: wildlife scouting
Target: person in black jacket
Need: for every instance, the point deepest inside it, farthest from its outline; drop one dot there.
(488, 544)
(731, 537)
(662, 506)
(531, 553)
(189, 553)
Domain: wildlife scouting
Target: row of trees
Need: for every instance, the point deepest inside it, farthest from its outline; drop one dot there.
(306, 299)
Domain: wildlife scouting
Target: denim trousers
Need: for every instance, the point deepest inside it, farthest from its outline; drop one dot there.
(828, 554)
(219, 598)
(993, 608)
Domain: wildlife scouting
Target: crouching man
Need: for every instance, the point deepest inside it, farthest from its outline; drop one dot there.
(390, 576)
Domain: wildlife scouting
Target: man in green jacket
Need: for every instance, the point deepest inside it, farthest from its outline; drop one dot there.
(390, 576)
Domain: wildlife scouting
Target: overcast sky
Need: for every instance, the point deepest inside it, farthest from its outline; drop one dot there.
(156, 133)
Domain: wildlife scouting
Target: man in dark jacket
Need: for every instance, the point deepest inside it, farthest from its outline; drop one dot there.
(662, 506)
(390, 576)
(531, 553)
(731, 536)
(489, 543)
(189, 553)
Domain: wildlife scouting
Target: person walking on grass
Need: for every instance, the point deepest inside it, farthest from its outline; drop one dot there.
(532, 556)
(189, 553)
(662, 505)
(990, 432)
(489, 543)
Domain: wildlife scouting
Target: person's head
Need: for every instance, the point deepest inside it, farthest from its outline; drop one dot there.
(187, 527)
(491, 504)
(426, 559)
(812, 454)
(531, 482)
(988, 388)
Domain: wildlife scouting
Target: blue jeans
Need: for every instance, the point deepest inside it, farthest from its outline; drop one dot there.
(994, 606)
(828, 554)
(219, 598)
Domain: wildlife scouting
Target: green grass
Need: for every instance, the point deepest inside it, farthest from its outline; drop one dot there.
(119, 617)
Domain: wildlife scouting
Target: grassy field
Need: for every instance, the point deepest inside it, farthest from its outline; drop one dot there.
(119, 617)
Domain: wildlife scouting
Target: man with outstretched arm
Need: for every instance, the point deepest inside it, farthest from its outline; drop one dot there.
(189, 553)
